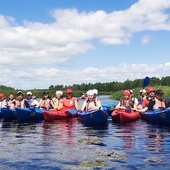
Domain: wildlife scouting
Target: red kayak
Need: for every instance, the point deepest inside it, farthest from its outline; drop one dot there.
(54, 114)
(123, 116)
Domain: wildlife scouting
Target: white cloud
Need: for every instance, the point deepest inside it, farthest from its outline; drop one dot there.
(29, 52)
(43, 77)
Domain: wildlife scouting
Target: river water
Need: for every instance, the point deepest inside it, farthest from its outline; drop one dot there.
(68, 144)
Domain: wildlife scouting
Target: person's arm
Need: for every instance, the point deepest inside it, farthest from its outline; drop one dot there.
(27, 105)
(83, 106)
(76, 105)
(117, 106)
(35, 102)
(142, 110)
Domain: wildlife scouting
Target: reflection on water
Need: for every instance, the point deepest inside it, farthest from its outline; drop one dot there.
(69, 144)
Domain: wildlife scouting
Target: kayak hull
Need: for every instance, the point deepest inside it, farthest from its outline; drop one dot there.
(9, 114)
(122, 116)
(157, 116)
(28, 114)
(93, 117)
(53, 114)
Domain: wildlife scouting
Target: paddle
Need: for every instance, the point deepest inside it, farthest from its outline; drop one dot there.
(146, 81)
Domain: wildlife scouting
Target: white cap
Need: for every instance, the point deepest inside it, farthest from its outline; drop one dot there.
(90, 92)
(142, 91)
(131, 91)
(29, 93)
(59, 92)
(95, 91)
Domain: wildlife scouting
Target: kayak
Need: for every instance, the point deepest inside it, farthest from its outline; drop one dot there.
(108, 108)
(123, 116)
(54, 114)
(9, 114)
(157, 116)
(29, 114)
(1, 116)
(93, 117)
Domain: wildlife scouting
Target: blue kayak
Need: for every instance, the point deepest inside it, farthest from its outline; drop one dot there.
(73, 112)
(28, 114)
(1, 116)
(9, 114)
(157, 116)
(108, 108)
(93, 117)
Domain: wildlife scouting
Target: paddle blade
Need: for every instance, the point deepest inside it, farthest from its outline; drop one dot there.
(146, 81)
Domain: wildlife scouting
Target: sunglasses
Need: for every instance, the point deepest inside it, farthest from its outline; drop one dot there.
(68, 93)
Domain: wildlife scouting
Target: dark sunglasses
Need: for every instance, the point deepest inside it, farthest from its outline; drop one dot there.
(68, 93)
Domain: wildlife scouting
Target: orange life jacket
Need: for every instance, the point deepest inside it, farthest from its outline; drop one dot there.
(20, 103)
(69, 103)
(45, 103)
(159, 104)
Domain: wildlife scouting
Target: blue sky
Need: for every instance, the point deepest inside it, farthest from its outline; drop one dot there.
(50, 42)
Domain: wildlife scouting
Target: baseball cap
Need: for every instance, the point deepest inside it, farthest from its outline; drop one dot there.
(29, 93)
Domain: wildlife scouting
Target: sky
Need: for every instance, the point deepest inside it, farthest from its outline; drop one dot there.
(66, 42)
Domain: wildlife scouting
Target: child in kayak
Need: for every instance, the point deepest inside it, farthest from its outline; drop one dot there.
(91, 103)
(126, 102)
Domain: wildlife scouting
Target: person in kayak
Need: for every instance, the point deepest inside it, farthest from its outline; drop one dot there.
(57, 100)
(126, 102)
(20, 102)
(167, 102)
(2, 100)
(70, 102)
(150, 98)
(133, 98)
(95, 92)
(142, 96)
(11, 101)
(156, 103)
(30, 101)
(91, 102)
(45, 102)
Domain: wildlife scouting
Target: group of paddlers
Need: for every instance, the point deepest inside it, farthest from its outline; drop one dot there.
(149, 99)
(46, 102)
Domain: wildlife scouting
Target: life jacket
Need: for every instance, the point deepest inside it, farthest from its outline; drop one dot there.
(90, 105)
(159, 104)
(11, 103)
(56, 101)
(127, 103)
(146, 101)
(29, 102)
(45, 103)
(69, 103)
(3, 103)
(20, 103)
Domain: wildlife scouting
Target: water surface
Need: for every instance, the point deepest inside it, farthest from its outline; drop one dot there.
(68, 144)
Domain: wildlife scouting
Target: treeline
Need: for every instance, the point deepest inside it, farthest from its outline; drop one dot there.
(107, 88)
(114, 86)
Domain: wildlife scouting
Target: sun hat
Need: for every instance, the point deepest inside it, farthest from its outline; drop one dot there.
(69, 91)
(29, 93)
(126, 93)
(142, 91)
(90, 92)
(59, 92)
(131, 91)
(1, 94)
(19, 92)
(150, 89)
(159, 92)
(45, 92)
(95, 91)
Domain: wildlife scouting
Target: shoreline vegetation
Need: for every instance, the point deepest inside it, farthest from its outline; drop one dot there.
(114, 89)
